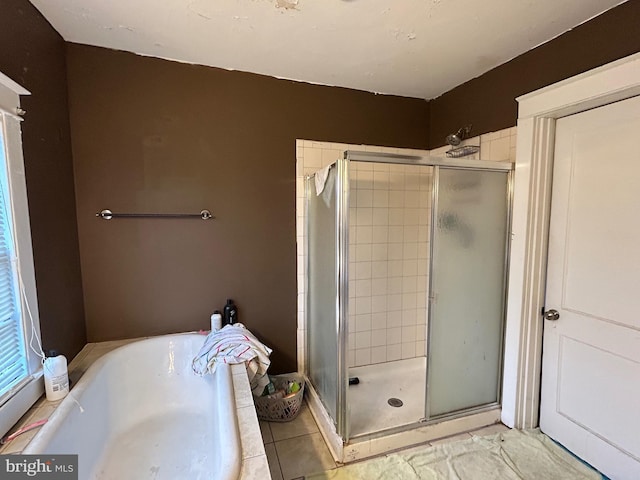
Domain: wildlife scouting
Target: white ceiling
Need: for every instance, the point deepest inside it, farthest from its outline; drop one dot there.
(413, 48)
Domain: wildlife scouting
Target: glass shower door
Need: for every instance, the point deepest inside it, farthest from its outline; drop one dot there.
(470, 221)
(326, 290)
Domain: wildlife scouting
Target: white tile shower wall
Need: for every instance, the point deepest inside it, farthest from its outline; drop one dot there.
(312, 155)
(389, 249)
(370, 339)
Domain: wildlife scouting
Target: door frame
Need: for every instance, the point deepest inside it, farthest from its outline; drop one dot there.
(537, 114)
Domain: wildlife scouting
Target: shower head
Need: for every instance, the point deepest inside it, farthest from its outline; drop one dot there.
(454, 139)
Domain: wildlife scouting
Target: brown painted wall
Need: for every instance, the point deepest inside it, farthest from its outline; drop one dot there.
(152, 135)
(488, 102)
(156, 136)
(33, 54)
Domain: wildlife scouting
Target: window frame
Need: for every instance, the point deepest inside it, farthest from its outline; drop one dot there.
(27, 392)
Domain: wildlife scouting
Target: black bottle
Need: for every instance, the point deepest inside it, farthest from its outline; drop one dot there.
(230, 313)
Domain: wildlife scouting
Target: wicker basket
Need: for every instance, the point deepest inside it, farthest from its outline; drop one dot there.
(281, 409)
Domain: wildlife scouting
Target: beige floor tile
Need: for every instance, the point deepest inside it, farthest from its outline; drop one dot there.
(303, 455)
(265, 428)
(302, 425)
(274, 464)
(490, 430)
(453, 438)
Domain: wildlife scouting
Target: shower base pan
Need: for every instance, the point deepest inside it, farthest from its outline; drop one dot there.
(375, 398)
(370, 445)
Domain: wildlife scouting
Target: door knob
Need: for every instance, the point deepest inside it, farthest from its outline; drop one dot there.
(551, 315)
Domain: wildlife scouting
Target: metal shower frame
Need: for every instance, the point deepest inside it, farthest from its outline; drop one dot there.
(342, 242)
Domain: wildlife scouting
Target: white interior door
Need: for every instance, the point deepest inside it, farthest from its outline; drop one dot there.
(591, 362)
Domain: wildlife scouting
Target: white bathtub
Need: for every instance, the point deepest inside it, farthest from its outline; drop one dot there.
(140, 412)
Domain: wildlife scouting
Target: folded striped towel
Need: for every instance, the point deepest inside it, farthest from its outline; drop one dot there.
(235, 344)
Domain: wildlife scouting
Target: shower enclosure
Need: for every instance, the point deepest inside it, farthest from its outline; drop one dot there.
(405, 290)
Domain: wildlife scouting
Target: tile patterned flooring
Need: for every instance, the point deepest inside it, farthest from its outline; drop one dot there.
(295, 449)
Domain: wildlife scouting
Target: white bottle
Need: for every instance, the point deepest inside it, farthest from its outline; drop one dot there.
(216, 321)
(56, 378)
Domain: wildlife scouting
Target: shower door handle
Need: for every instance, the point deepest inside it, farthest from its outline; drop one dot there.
(552, 315)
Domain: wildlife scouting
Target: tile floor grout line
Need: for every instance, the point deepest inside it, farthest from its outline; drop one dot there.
(278, 458)
(295, 436)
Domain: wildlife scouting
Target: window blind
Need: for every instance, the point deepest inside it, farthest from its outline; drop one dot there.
(13, 364)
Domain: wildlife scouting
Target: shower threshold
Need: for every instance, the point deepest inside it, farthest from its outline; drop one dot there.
(377, 443)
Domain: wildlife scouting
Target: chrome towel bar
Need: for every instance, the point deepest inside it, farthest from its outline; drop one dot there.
(108, 215)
